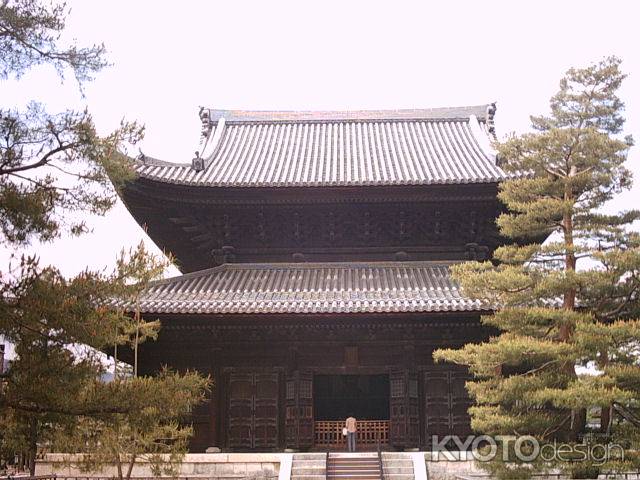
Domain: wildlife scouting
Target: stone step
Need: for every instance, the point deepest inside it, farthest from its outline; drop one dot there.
(394, 455)
(399, 476)
(353, 469)
(355, 473)
(359, 458)
(309, 463)
(309, 456)
(393, 469)
(295, 470)
(353, 460)
(353, 454)
(398, 464)
(359, 476)
(352, 466)
(309, 466)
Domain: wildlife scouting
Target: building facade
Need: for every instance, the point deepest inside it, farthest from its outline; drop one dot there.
(315, 248)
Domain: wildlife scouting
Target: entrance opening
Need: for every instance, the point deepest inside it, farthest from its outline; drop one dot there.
(366, 397)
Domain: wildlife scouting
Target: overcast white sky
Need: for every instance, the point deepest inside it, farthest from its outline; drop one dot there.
(171, 57)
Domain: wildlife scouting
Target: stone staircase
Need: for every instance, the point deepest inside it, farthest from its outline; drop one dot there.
(353, 466)
(309, 466)
(397, 466)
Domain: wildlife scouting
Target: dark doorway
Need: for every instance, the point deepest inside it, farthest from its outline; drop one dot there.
(366, 397)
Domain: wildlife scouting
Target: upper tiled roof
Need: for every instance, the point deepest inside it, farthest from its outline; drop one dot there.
(310, 288)
(288, 149)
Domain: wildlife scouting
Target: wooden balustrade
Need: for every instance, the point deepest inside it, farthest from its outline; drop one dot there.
(370, 432)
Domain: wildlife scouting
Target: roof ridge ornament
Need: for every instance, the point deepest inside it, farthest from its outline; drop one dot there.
(209, 143)
(198, 162)
(491, 126)
(207, 124)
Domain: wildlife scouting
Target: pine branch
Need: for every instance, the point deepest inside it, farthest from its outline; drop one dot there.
(43, 161)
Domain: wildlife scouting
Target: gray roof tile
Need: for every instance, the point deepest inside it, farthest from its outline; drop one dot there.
(311, 288)
(288, 149)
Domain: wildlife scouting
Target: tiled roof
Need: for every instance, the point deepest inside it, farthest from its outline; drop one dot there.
(288, 149)
(310, 288)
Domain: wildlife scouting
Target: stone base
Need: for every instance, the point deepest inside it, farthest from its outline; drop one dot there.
(223, 466)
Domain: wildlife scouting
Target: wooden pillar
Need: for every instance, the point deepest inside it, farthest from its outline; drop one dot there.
(215, 434)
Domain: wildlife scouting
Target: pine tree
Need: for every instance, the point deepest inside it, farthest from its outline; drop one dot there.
(59, 327)
(155, 429)
(566, 289)
(52, 166)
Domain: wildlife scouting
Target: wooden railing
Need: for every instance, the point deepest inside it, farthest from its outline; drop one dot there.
(370, 433)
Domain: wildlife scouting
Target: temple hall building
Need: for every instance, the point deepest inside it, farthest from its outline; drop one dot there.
(315, 249)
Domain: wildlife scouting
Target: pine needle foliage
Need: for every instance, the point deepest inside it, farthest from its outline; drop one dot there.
(56, 168)
(567, 305)
(53, 165)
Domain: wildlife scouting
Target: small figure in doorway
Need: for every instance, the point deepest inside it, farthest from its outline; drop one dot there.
(352, 429)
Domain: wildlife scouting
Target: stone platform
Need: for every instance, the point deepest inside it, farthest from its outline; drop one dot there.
(275, 466)
(223, 466)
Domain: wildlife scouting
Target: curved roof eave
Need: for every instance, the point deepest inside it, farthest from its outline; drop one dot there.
(343, 287)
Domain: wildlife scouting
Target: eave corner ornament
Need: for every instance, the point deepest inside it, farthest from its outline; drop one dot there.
(197, 163)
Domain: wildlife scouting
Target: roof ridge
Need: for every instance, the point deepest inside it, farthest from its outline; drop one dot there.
(482, 111)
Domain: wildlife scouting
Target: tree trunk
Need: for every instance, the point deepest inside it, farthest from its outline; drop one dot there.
(131, 464)
(135, 346)
(605, 412)
(119, 465)
(33, 445)
(565, 332)
(605, 417)
(115, 356)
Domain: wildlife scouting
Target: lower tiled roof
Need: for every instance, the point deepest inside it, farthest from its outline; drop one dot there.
(311, 288)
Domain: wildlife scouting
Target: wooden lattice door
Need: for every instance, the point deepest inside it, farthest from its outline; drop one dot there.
(403, 404)
(253, 410)
(437, 404)
(240, 411)
(446, 404)
(460, 403)
(299, 410)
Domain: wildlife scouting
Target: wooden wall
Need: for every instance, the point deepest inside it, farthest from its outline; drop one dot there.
(263, 370)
